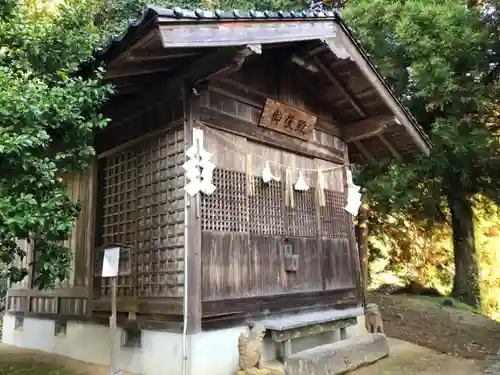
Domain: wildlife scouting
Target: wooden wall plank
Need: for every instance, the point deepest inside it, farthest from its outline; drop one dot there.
(278, 303)
(237, 265)
(241, 253)
(193, 227)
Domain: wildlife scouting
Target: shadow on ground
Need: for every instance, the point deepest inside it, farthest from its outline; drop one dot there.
(428, 323)
(17, 361)
(411, 359)
(405, 359)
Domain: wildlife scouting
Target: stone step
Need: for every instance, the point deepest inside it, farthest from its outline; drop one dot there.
(339, 357)
(275, 367)
(493, 370)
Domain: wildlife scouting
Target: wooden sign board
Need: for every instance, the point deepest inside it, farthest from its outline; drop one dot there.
(284, 119)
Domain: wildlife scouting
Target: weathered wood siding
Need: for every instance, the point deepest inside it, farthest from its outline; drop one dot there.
(70, 296)
(142, 205)
(243, 229)
(242, 233)
(133, 194)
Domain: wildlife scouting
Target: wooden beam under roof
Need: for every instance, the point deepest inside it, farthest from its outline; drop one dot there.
(367, 128)
(326, 71)
(221, 62)
(141, 68)
(391, 148)
(365, 152)
(143, 42)
(377, 81)
(145, 54)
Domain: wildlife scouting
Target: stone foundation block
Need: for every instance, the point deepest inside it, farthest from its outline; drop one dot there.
(339, 357)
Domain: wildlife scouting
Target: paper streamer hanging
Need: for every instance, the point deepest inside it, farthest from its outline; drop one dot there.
(289, 192)
(250, 178)
(320, 188)
(267, 174)
(353, 195)
(301, 184)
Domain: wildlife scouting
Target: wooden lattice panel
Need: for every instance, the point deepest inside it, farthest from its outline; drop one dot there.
(118, 199)
(160, 217)
(265, 208)
(143, 206)
(119, 173)
(226, 209)
(334, 218)
(302, 219)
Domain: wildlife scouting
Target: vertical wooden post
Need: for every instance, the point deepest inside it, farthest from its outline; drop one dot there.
(354, 261)
(113, 329)
(319, 234)
(111, 269)
(30, 259)
(363, 245)
(92, 236)
(193, 226)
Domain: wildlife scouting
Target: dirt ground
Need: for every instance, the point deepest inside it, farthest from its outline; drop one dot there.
(446, 329)
(16, 361)
(405, 358)
(410, 359)
(424, 322)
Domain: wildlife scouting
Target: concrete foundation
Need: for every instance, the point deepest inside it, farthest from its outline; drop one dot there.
(160, 353)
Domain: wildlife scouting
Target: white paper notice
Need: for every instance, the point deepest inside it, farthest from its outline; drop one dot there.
(111, 262)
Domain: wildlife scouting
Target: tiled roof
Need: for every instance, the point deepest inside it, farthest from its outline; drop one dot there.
(198, 14)
(180, 15)
(161, 15)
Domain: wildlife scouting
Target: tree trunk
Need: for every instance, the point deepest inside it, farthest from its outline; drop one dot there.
(466, 280)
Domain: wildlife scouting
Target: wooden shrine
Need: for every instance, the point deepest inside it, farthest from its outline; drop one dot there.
(290, 91)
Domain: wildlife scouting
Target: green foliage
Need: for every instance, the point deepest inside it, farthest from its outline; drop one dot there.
(488, 243)
(48, 115)
(447, 302)
(402, 250)
(439, 57)
(114, 14)
(407, 250)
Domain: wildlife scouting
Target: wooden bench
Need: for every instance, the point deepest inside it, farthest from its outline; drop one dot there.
(284, 329)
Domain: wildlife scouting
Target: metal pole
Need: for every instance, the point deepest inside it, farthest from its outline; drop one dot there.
(112, 328)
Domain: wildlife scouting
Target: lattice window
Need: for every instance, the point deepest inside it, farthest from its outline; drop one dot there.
(301, 219)
(334, 218)
(160, 210)
(119, 199)
(118, 216)
(226, 210)
(142, 206)
(266, 208)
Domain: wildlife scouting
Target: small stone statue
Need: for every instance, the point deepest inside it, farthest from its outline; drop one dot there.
(250, 351)
(373, 319)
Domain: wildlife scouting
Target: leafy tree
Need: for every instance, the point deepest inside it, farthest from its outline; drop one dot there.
(440, 57)
(49, 112)
(48, 115)
(114, 14)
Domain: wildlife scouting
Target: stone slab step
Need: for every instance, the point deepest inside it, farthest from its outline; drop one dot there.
(339, 357)
(493, 370)
(275, 367)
